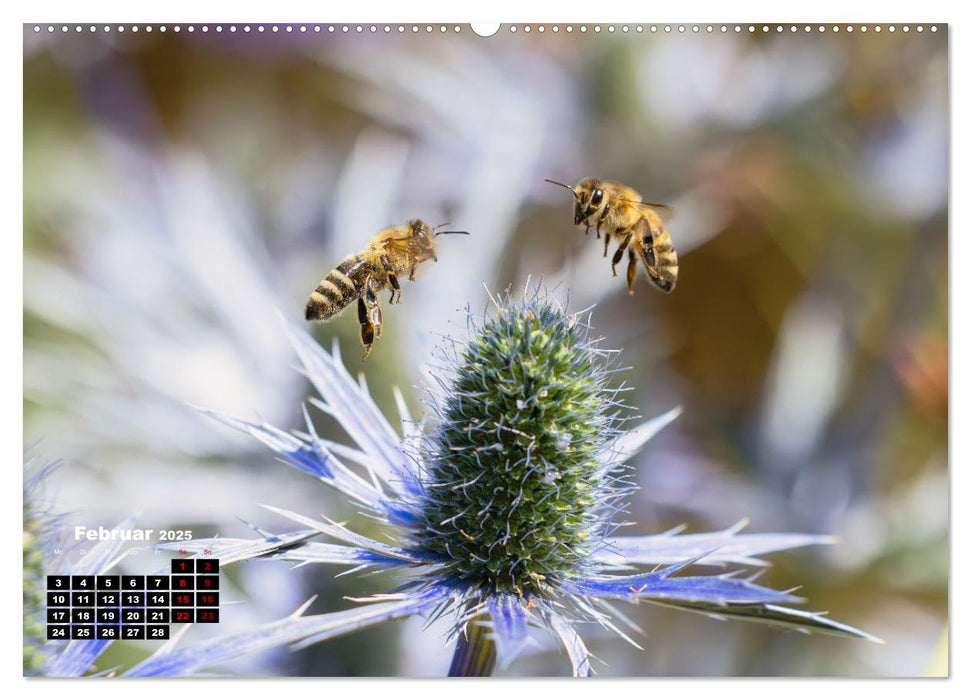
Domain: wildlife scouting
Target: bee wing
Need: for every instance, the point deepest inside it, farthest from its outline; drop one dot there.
(402, 244)
(412, 251)
(665, 212)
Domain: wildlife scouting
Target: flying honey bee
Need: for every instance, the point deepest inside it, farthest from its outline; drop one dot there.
(639, 226)
(396, 250)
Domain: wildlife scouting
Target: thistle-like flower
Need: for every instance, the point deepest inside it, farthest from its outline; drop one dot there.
(505, 506)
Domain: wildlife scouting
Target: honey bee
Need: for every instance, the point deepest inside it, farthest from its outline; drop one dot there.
(619, 211)
(396, 250)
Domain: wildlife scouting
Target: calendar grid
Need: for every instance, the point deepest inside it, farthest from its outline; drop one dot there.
(133, 606)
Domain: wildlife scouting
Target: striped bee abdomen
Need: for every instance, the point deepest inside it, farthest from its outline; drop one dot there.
(338, 289)
(664, 261)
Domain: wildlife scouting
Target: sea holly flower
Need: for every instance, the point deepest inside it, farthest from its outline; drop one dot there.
(504, 509)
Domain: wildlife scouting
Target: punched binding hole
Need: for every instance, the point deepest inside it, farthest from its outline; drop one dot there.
(485, 29)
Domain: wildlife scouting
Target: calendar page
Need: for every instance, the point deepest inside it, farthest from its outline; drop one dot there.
(507, 350)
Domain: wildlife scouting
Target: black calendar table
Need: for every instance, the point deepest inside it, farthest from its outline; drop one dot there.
(133, 607)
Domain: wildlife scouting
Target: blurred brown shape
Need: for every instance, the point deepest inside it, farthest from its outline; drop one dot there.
(920, 362)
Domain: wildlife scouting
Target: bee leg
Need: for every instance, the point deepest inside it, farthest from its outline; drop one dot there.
(631, 271)
(367, 330)
(392, 279)
(606, 243)
(369, 315)
(373, 308)
(619, 254)
(603, 215)
(411, 274)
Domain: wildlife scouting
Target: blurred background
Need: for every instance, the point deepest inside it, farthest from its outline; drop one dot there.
(184, 189)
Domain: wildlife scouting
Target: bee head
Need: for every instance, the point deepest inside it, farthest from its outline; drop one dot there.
(421, 233)
(424, 237)
(588, 198)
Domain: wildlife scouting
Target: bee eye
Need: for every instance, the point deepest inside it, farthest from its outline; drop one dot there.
(597, 197)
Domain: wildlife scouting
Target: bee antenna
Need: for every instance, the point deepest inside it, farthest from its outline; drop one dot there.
(439, 233)
(554, 182)
(447, 223)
